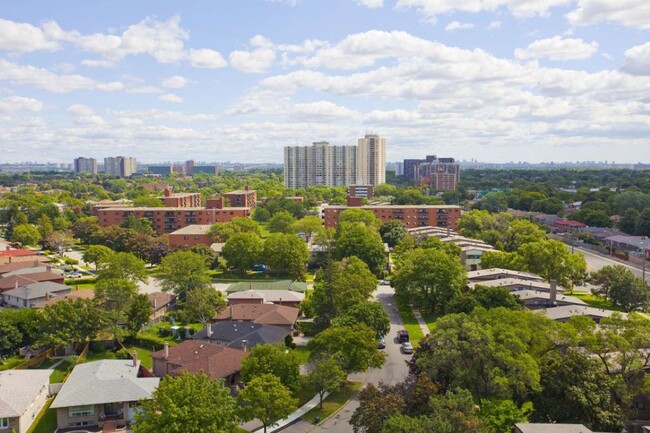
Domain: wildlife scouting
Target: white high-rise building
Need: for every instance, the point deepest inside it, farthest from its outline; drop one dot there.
(122, 166)
(324, 164)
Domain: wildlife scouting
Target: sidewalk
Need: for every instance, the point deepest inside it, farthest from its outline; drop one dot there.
(294, 416)
(421, 322)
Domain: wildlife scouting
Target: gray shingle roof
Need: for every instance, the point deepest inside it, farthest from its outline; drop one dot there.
(19, 388)
(107, 381)
(551, 428)
(254, 333)
(38, 290)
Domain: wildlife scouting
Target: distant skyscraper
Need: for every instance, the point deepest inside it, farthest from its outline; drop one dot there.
(122, 166)
(441, 174)
(371, 160)
(85, 165)
(324, 164)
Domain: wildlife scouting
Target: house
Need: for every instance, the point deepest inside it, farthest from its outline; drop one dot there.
(498, 273)
(568, 226)
(161, 304)
(535, 299)
(194, 356)
(282, 297)
(294, 286)
(10, 267)
(265, 314)
(34, 293)
(515, 284)
(550, 428)
(26, 258)
(13, 281)
(565, 312)
(103, 393)
(470, 255)
(23, 393)
(71, 296)
(241, 335)
(194, 234)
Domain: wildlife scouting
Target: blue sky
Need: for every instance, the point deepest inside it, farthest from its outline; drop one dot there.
(493, 80)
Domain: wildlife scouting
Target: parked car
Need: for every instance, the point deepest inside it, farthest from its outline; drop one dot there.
(74, 275)
(381, 344)
(384, 282)
(402, 335)
(68, 249)
(407, 348)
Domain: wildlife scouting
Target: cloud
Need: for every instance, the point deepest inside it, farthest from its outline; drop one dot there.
(455, 25)
(24, 37)
(44, 79)
(630, 13)
(259, 60)
(494, 25)
(84, 115)
(431, 9)
(20, 103)
(175, 82)
(372, 4)
(637, 60)
(144, 90)
(171, 97)
(558, 48)
(206, 58)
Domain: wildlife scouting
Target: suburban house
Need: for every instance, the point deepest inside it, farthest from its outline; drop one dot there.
(550, 428)
(194, 356)
(567, 226)
(11, 256)
(281, 297)
(23, 393)
(161, 304)
(265, 314)
(294, 286)
(565, 312)
(35, 293)
(516, 284)
(103, 394)
(241, 335)
(9, 281)
(535, 299)
(71, 296)
(10, 267)
(498, 273)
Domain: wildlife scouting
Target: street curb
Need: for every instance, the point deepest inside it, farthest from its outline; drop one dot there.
(340, 408)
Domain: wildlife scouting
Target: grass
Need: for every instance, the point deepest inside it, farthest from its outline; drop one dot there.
(595, 301)
(410, 322)
(430, 319)
(333, 402)
(45, 422)
(144, 355)
(59, 373)
(302, 353)
(305, 393)
(10, 363)
(98, 356)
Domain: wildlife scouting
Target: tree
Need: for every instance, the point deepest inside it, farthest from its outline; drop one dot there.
(326, 375)
(369, 313)
(501, 260)
(355, 347)
(26, 234)
(501, 415)
(10, 336)
(630, 199)
(281, 222)
(552, 260)
(203, 303)
(642, 227)
(309, 225)
(115, 296)
(495, 202)
(362, 241)
(495, 297)
(429, 279)
(96, 253)
(576, 390)
(376, 405)
(121, 266)
(272, 359)
(58, 240)
(266, 399)
(183, 271)
(138, 225)
(221, 232)
(209, 255)
(286, 255)
(261, 215)
(44, 225)
(85, 228)
(362, 216)
(622, 287)
(138, 314)
(191, 403)
(628, 221)
(392, 232)
(243, 250)
(70, 322)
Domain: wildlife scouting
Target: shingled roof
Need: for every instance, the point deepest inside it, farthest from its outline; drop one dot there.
(266, 314)
(234, 333)
(195, 356)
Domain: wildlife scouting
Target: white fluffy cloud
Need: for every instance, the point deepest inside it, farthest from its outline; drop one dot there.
(175, 82)
(372, 4)
(206, 58)
(558, 48)
(494, 25)
(24, 37)
(637, 60)
(83, 115)
(20, 103)
(519, 8)
(171, 97)
(630, 13)
(258, 60)
(455, 25)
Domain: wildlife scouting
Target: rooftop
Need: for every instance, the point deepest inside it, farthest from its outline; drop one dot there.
(274, 296)
(236, 333)
(294, 286)
(536, 294)
(37, 290)
(565, 312)
(267, 314)
(394, 206)
(495, 272)
(514, 282)
(193, 229)
(195, 356)
(72, 296)
(550, 428)
(170, 209)
(18, 389)
(240, 191)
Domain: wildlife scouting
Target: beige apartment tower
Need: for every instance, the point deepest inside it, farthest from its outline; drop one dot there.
(371, 160)
(122, 166)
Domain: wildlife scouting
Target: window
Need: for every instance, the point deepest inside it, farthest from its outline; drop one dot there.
(4, 422)
(80, 410)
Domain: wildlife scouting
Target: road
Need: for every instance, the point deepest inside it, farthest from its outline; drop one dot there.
(394, 371)
(597, 261)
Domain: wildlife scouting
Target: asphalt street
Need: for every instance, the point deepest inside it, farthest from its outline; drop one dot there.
(597, 261)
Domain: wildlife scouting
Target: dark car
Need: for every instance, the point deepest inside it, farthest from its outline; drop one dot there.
(381, 343)
(402, 335)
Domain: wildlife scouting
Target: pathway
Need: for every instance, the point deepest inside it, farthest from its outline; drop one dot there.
(421, 322)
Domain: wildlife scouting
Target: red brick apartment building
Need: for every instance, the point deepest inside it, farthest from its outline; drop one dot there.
(191, 235)
(411, 216)
(169, 219)
(184, 199)
(242, 198)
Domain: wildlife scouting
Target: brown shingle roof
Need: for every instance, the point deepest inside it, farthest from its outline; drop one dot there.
(10, 267)
(195, 356)
(264, 314)
(8, 283)
(161, 299)
(72, 296)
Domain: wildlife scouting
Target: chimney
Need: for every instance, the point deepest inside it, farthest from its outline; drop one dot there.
(247, 187)
(135, 358)
(208, 330)
(168, 192)
(47, 296)
(7, 248)
(244, 344)
(155, 303)
(166, 348)
(48, 268)
(553, 293)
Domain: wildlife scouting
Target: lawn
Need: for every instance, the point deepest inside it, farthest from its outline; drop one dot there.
(58, 373)
(410, 322)
(45, 422)
(595, 301)
(302, 353)
(10, 363)
(144, 355)
(430, 318)
(333, 402)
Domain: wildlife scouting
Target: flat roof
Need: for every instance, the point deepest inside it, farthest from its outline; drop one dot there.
(169, 209)
(240, 191)
(394, 206)
(193, 229)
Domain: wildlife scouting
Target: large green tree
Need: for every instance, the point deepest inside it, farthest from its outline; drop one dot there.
(202, 304)
(183, 271)
(326, 375)
(618, 284)
(121, 266)
(360, 240)
(221, 232)
(266, 399)
(369, 313)
(272, 359)
(95, 254)
(243, 250)
(286, 255)
(552, 260)
(191, 403)
(26, 234)
(68, 322)
(282, 222)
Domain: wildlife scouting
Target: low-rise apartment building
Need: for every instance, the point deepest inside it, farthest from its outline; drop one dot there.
(411, 215)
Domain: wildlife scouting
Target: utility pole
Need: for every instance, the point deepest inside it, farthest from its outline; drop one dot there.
(643, 239)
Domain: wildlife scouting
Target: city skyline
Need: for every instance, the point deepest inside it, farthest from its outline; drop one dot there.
(564, 80)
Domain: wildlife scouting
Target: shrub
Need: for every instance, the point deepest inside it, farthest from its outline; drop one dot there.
(123, 353)
(98, 347)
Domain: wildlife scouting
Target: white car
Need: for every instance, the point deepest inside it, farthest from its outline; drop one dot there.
(74, 275)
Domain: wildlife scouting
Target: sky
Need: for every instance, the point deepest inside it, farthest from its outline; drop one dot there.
(237, 80)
